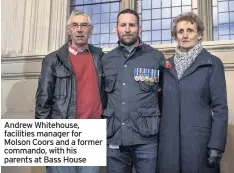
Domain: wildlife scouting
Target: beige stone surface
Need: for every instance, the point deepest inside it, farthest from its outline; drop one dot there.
(33, 28)
(16, 169)
(18, 98)
(33, 25)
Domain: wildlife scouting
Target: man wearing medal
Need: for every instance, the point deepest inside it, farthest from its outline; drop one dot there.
(132, 111)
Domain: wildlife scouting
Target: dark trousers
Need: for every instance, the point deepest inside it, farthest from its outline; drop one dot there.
(142, 157)
(72, 169)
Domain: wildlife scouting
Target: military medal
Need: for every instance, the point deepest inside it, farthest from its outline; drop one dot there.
(137, 74)
(147, 75)
(156, 76)
(137, 78)
(151, 79)
(142, 77)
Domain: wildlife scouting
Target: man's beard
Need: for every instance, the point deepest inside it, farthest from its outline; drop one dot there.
(129, 42)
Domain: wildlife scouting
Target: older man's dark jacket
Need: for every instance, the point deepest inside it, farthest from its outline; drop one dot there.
(56, 96)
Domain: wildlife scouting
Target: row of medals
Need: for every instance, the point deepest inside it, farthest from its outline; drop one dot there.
(146, 78)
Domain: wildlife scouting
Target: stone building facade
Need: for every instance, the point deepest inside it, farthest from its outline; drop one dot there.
(32, 28)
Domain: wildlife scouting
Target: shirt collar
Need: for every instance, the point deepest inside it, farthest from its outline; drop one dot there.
(132, 47)
(74, 50)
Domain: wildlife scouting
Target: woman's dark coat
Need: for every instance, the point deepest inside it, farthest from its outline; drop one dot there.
(194, 116)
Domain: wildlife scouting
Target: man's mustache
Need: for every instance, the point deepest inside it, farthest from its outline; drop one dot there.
(127, 35)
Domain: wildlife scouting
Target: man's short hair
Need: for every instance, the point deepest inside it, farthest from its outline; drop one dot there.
(77, 13)
(129, 11)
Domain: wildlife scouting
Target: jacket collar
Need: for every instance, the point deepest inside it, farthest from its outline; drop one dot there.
(137, 46)
(203, 59)
(63, 54)
(63, 51)
(95, 50)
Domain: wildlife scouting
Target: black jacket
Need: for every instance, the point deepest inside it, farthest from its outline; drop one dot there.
(132, 111)
(56, 92)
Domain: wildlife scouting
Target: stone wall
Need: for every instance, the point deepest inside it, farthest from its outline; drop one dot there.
(33, 28)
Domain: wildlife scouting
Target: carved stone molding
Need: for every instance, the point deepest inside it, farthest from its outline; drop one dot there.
(28, 65)
(19, 76)
(209, 45)
(22, 58)
(21, 66)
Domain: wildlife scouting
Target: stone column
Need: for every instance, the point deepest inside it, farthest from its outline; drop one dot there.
(205, 14)
(13, 12)
(128, 4)
(33, 26)
(60, 10)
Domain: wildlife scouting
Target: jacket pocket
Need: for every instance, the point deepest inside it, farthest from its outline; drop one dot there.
(202, 130)
(148, 121)
(147, 86)
(61, 73)
(110, 79)
(62, 77)
(109, 115)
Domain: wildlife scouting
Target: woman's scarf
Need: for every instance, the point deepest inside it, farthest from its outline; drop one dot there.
(183, 60)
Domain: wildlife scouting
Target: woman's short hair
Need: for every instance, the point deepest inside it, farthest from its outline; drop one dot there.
(189, 17)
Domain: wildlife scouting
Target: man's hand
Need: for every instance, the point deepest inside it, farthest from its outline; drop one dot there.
(214, 158)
